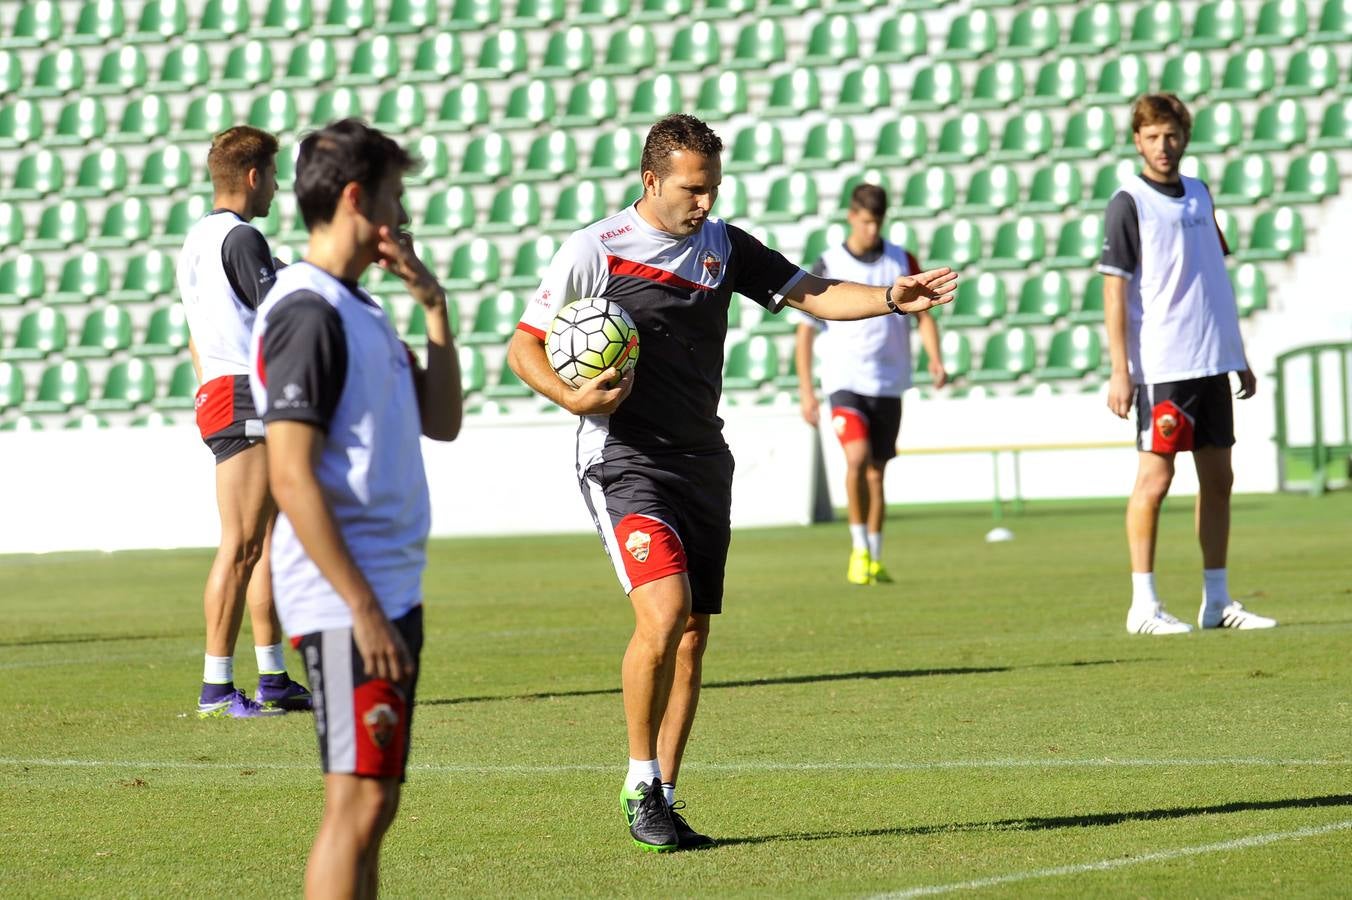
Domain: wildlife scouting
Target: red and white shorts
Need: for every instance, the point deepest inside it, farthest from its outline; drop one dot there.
(226, 416)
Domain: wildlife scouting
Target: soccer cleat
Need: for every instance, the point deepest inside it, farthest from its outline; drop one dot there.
(1233, 615)
(688, 838)
(235, 705)
(858, 571)
(1157, 622)
(878, 574)
(651, 823)
(280, 692)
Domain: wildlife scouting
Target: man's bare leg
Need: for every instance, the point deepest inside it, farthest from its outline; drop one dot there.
(684, 697)
(344, 861)
(1154, 475)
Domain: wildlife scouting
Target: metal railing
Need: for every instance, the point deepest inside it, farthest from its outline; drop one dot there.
(1323, 459)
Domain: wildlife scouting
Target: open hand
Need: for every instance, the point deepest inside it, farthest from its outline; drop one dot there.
(924, 290)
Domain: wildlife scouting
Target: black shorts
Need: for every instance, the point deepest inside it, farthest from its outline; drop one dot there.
(663, 515)
(226, 416)
(877, 420)
(363, 723)
(1178, 416)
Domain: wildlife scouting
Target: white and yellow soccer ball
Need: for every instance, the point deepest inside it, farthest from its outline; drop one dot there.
(589, 336)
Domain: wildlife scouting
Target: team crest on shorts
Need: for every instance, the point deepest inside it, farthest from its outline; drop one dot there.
(713, 263)
(839, 423)
(638, 544)
(1166, 424)
(381, 721)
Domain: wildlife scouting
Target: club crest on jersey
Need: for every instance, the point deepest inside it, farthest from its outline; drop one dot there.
(1166, 424)
(713, 263)
(381, 721)
(638, 544)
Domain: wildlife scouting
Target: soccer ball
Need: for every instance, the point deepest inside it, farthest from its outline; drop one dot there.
(589, 336)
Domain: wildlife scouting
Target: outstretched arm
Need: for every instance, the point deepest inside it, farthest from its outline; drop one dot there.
(828, 298)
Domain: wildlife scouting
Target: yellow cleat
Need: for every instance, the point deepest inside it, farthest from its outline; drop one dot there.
(878, 574)
(860, 566)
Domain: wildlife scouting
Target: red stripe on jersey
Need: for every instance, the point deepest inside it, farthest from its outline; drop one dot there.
(530, 329)
(650, 550)
(262, 367)
(381, 720)
(633, 269)
(216, 405)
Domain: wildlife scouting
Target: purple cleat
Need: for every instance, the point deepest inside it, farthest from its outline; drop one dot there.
(279, 692)
(234, 705)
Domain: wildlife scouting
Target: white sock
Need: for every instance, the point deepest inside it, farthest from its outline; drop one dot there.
(642, 771)
(270, 659)
(218, 670)
(1215, 589)
(859, 536)
(669, 793)
(1143, 591)
(875, 544)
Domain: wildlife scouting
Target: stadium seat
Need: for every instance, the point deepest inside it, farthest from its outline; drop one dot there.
(1156, 26)
(143, 121)
(1060, 82)
(1073, 353)
(473, 370)
(63, 385)
(222, 20)
(502, 55)
(751, 363)
(615, 154)
(165, 171)
(495, 319)
(274, 111)
(591, 102)
(1018, 244)
(880, 177)
(400, 110)
(1027, 136)
(448, 211)
(474, 264)
(183, 214)
(38, 22)
(506, 386)
(1335, 126)
(1079, 244)
(1217, 24)
(791, 198)
(285, 18)
(160, 22)
(1089, 132)
(1246, 180)
(147, 276)
(998, 84)
(415, 332)
(81, 122)
(793, 94)
(760, 45)
(515, 208)
(733, 199)
(1248, 74)
(120, 72)
(817, 242)
(532, 259)
(530, 105)
(1309, 72)
(596, 12)
(166, 332)
(579, 205)
(39, 174)
(993, 189)
(1335, 23)
(829, 145)
(962, 139)
(630, 51)
(41, 332)
(1250, 286)
(23, 277)
(84, 277)
(1188, 75)
(901, 37)
(864, 89)
(1280, 126)
(1054, 188)
(311, 63)
(978, 303)
(902, 139)
(568, 53)
(21, 123)
(936, 87)
(721, 96)
(902, 234)
(832, 40)
(726, 9)
(970, 36)
(955, 349)
(347, 17)
(1310, 179)
(1006, 356)
(756, 148)
(1280, 22)
(927, 192)
(437, 58)
(1090, 310)
(62, 224)
(11, 72)
(662, 11)
(12, 226)
(59, 72)
(462, 108)
(474, 15)
(1107, 180)
(1120, 81)
(1228, 224)
(1034, 32)
(695, 48)
(181, 391)
(1216, 128)
(1042, 300)
(12, 389)
(104, 332)
(247, 66)
(410, 17)
(127, 385)
(955, 244)
(126, 223)
(655, 98)
(486, 159)
(207, 115)
(98, 22)
(1095, 29)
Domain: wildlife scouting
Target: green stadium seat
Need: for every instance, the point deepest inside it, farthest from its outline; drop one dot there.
(1335, 23)
(998, 84)
(39, 174)
(166, 332)
(1042, 300)
(160, 22)
(721, 96)
(1335, 126)
(143, 121)
(1280, 126)
(1054, 188)
(474, 15)
(41, 333)
(448, 211)
(206, 116)
(1155, 26)
(970, 36)
(1246, 180)
(11, 72)
(614, 154)
(663, 11)
(695, 48)
(502, 55)
(993, 189)
(596, 12)
(1096, 29)
(1248, 74)
(12, 388)
(794, 94)
(956, 244)
(630, 51)
(63, 385)
(129, 384)
(1028, 135)
(902, 139)
(463, 107)
(59, 72)
(927, 192)
(579, 205)
(568, 53)
(152, 419)
(756, 148)
(120, 72)
(98, 22)
(1018, 244)
(473, 370)
(147, 276)
(1107, 180)
(760, 45)
(1309, 72)
(400, 110)
(1089, 132)
(80, 123)
(979, 303)
(530, 105)
(1059, 82)
(1277, 233)
(22, 278)
(1217, 24)
(181, 392)
(1188, 75)
(347, 17)
(1034, 32)
(183, 215)
(962, 139)
(247, 66)
(105, 332)
(437, 58)
(817, 242)
(1090, 309)
(864, 89)
(655, 98)
(833, 40)
(880, 177)
(495, 319)
(1121, 80)
(1310, 179)
(21, 123)
(486, 159)
(751, 363)
(1006, 356)
(1073, 353)
(12, 226)
(507, 386)
(474, 264)
(936, 87)
(286, 18)
(62, 224)
(1079, 244)
(902, 234)
(416, 331)
(591, 102)
(792, 197)
(955, 349)
(38, 22)
(515, 208)
(84, 278)
(532, 259)
(902, 36)
(829, 145)
(310, 64)
(1216, 128)
(165, 171)
(1250, 286)
(793, 8)
(1281, 23)
(126, 223)
(410, 17)
(726, 9)
(222, 20)
(274, 111)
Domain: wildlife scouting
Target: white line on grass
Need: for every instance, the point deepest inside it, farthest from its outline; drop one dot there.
(1103, 865)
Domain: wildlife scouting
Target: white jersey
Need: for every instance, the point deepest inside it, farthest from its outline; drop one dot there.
(220, 322)
(1182, 322)
(870, 357)
(333, 360)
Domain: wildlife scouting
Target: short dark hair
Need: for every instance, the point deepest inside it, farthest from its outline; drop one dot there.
(237, 150)
(337, 155)
(677, 132)
(870, 198)
(1155, 109)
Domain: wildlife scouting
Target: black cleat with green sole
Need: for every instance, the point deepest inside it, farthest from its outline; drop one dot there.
(651, 823)
(688, 838)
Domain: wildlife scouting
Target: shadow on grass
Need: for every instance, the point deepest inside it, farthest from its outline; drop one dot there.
(96, 639)
(878, 675)
(1048, 823)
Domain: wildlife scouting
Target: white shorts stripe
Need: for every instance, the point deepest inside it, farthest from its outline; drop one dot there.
(601, 515)
(1147, 425)
(338, 701)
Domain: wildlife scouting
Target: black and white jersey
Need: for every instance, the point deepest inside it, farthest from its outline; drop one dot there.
(677, 291)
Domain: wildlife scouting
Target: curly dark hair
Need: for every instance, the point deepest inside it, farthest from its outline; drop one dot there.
(677, 132)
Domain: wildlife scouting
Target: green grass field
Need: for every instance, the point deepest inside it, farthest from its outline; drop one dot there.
(985, 726)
